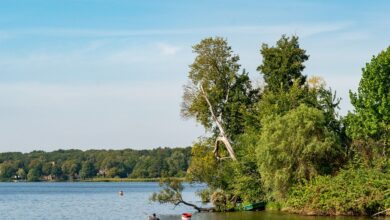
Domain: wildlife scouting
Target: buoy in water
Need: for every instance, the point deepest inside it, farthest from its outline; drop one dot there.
(186, 216)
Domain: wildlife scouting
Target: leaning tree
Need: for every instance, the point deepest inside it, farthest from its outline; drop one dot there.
(218, 93)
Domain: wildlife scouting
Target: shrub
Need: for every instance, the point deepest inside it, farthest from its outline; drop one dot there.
(360, 191)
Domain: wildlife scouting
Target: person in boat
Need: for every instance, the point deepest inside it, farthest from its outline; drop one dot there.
(153, 217)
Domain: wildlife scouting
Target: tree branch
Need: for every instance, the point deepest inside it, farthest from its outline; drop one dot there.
(378, 213)
(199, 209)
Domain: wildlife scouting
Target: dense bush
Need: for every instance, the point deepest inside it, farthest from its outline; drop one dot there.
(354, 191)
(294, 148)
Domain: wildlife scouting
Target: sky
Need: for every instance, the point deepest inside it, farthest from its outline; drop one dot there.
(99, 74)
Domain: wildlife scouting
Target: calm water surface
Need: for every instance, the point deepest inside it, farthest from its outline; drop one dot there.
(101, 201)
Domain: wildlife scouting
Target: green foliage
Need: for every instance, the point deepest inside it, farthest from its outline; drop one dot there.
(203, 164)
(294, 148)
(279, 103)
(7, 169)
(70, 168)
(67, 164)
(33, 175)
(87, 170)
(229, 181)
(205, 195)
(223, 201)
(370, 121)
(171, 192)
(247, 184)
(21, 173)
(283, 64)
(354, 191)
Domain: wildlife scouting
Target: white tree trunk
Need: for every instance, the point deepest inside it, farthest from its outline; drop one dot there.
(223, 138)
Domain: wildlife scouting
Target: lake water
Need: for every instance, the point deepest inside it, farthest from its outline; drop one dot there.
(101, 201)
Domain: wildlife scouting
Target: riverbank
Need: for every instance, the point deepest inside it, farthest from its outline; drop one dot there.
(101, 180)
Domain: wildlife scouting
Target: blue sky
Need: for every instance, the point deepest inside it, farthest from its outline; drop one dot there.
(109, 74)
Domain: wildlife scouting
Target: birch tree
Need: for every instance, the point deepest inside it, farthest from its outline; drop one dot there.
(218, 93)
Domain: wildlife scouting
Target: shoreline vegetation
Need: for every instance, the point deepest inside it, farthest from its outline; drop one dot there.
(95, 165)
(281, 143)
(103, 179)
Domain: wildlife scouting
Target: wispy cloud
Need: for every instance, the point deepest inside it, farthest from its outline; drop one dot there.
(304, 29)
(168, 49)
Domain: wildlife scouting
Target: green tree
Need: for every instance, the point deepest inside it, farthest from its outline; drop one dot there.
(177, 163)
(21, 173)
(47, 168)
(70, 168)
(295, 147)
(7, 169)
(370, 120)
(87, 170)
(217, 95)
(33, 175)
(283, 64)
(56, 171)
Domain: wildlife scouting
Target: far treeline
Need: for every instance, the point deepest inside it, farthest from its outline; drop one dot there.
(283, 143)
(76, 165)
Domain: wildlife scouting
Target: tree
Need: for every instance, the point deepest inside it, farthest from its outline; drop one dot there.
(33, 175)
(370, 120)
(7, 169)
(217, 94)
(70, 168)
(56, 171)
(283, 64)
(21, 173)
(295, 147)
(87, 170)
(47, 168)
(177, 163)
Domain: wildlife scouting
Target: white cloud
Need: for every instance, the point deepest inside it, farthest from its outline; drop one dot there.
(168, 49)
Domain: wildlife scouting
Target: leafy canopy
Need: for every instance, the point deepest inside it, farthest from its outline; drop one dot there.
(283, 64)
(372, 100)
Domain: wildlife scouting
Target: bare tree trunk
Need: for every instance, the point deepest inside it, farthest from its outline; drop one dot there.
(223, 138)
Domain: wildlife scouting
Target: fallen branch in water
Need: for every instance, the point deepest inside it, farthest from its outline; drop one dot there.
(378, 213)
(171, 193)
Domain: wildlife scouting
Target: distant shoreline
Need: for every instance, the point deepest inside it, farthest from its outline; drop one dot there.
(100, 180)
(128, 179)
